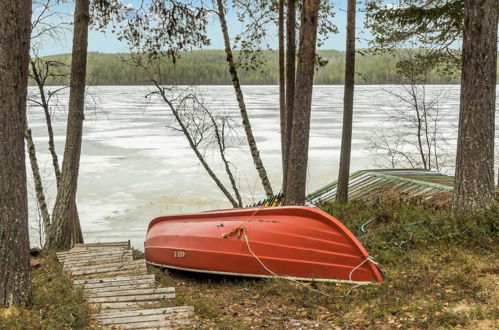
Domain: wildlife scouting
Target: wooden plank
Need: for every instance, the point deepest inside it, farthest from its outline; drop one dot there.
(105, 266)
(136, 298)
(106, 270)
(89, 257)
(131, 292)
(96, 286)
(117, 279)
(92, 270)
(125, 253)
(120, 243)
(164, 324)
(156, 311)
(144, 318)
(114, 273)
(91, 250)
(123, 306)
(83, 254)
(132, 286)
(94, 252)
(98, 261)
(70, 261)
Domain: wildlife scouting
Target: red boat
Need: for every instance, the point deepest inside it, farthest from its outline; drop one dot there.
(293, 242)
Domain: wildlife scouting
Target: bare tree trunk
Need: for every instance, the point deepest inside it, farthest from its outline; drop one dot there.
(419, 118)
(282, 88)
(48, 119)
(40, 195)
(40, 81)
(194, 147)
(77, 235)
(298, 147)
(346, 138)
(15, 28)
(474, 178)
(242, 106)
(221, 148)
(290, 82)
(61, 231)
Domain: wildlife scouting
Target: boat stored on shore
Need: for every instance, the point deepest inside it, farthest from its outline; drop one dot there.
(296, 242)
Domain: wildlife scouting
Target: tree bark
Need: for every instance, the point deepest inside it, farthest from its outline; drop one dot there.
(62, 230)
(290, 82)
(298, 146)
(346, 137)
(255, 153)
(40, 195)
(282, 88)
(474, 177)
(15, 28)
(40, 82)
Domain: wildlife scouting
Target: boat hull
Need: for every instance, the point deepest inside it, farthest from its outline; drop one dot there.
(293, 242)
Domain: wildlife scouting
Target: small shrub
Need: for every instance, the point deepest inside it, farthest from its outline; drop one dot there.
(56, 304)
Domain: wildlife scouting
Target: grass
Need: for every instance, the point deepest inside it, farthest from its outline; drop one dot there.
(56, 304)
(440, 272)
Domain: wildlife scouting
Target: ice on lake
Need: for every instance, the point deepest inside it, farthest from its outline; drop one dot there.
(134, 168)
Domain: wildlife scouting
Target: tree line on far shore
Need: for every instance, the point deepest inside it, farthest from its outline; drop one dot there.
(114, 69)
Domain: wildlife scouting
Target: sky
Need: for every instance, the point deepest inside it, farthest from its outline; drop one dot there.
(108, 43)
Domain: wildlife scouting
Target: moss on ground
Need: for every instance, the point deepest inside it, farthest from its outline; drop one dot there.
(56, 304)
(440, 272)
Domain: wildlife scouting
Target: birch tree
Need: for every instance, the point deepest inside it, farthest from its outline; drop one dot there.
(62, 228)
(346, 137)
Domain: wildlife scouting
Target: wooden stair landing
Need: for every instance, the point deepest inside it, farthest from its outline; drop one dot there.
(120, 286)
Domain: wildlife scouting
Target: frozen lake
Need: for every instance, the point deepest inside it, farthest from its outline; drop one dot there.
(134, 168)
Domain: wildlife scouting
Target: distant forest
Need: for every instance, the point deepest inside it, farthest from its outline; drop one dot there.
(208, 67)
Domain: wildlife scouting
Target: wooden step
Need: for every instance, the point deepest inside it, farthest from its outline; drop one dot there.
(121, 288)
(128, 306)
(77, 259)
(113, 268)
(151, 318)
(152, 295)
(110, 281)
(113, 285)
(122, 243)
(98, 261)
(131, 286)
(89, 254)
(91, 268)
(111, 274)
(130, 292)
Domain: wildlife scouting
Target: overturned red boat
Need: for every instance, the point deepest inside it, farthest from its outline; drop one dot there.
(294, 242)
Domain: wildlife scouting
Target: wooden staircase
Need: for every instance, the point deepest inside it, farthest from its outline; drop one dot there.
(126, 295)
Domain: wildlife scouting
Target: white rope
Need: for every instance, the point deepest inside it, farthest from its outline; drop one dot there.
(368, 258)
(243, 231)
(274, 274)
(254, 255)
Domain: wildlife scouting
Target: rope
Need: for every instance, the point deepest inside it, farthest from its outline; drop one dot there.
(243, 231)
(278, 276)
(254, 255)
(368, 258)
